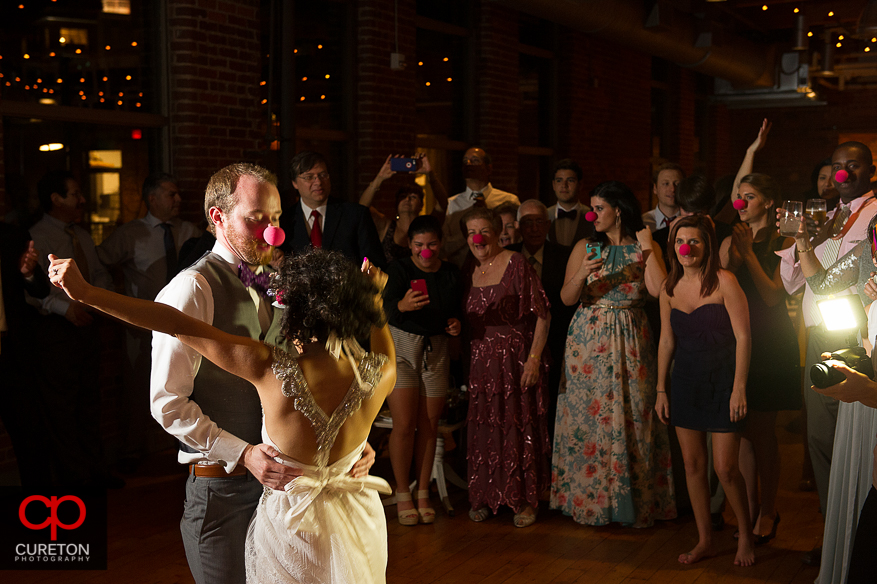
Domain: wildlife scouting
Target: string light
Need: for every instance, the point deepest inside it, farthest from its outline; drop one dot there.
(62, 40)
(128, 78)
(840, 38)
(295, 51)
(105, 78)
(82, 79)
(830, 14)
(121, 94)
(304, 78)
(78, 51)
(39, 80)
(319, 46)
(264, 101)
(445, 59)
(52, 54)
(100, 93)
(420, 63)
(449, 79)
(119, 102)
(764, 7)
(26, 56)
(327, 75)
(796, 11)
(839, 45)
(428, 83)
(108, 47)
(867, 49)
(873, 40)
(82, 97)
(263, 83)
(102, 100)
(302, 98)
(138, 104)
(810, 34)
(322, 97)
(21, 6)
(133, 43)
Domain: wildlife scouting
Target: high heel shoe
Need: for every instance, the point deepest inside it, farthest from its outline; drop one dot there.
(763, 539)
(427, 514)
(408, 516)
(526, 520)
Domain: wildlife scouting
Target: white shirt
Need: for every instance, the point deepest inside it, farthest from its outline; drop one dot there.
(138, 247)
(654, 219)
(174, 366)
(310, 220)
(454, 244)
(790, 270)
(49, 237)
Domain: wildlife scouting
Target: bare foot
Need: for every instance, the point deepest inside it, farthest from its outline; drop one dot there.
(700, 552)
(745, 551)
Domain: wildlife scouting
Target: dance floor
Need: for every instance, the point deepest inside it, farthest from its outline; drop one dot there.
(145, 545)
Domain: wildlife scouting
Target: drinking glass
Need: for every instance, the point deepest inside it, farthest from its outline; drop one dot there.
(791, 218)
(817, 210)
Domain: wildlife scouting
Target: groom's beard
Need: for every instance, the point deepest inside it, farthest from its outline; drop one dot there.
(253, 251)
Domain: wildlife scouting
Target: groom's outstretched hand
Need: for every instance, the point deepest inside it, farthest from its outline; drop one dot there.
(362, 466)
(259, 460)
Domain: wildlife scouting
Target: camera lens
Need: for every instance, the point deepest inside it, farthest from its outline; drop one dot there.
(822, 375)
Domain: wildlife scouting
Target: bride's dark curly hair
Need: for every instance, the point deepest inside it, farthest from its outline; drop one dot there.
(322, 292)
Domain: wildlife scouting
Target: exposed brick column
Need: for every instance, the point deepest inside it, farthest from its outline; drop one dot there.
(681, 105)
(498, 91)
(214, 84)
(385, 100)
(605, 112)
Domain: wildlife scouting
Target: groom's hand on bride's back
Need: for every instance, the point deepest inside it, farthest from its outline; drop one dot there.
(362, 466)
(259, 460)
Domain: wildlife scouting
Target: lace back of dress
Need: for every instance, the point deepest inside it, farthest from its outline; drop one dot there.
(326, 428)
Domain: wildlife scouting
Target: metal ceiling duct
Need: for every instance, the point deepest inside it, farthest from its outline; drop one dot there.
(663, 32)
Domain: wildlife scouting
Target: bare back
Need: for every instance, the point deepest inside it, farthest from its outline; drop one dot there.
(316, 411)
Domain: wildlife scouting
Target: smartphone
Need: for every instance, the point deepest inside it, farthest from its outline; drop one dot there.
(403, 164)
(419, 286)
(595, 249)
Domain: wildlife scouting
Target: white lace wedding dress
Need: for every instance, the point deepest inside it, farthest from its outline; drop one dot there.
(325, 526)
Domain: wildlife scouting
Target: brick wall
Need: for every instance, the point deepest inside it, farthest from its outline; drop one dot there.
(605, 112)
(385, 102)
(214, 85)
(498, 101)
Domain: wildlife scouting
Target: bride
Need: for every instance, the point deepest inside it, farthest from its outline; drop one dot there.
(325, 526)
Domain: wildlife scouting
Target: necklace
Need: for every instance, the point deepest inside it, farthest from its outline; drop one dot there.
(488, 265)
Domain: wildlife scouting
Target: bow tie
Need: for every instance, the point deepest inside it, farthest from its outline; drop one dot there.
(563, 214)
(250, 279)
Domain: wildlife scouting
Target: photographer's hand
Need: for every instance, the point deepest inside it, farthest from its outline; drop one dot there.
(856, 388)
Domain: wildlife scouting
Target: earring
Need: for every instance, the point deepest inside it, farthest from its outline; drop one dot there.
(617, 220)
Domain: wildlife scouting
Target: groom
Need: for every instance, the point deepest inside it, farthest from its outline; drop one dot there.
(217, 416)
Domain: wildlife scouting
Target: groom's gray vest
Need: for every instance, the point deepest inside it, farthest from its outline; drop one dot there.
(227, 399)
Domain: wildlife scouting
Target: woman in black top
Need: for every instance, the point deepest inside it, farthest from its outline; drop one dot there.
(420, 324)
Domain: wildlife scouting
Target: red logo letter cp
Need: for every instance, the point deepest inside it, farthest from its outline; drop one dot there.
(52, 505)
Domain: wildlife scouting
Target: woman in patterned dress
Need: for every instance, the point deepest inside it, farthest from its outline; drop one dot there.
(611, 459)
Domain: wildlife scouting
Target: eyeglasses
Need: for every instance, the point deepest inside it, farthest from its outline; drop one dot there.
(309, 178)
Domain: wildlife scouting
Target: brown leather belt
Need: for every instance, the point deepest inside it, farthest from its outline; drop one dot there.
(216, 471)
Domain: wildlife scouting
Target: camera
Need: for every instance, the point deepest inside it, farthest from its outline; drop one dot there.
(824, 375)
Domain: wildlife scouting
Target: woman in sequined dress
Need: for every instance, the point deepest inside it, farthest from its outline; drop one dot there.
(507, 318)
(328, 524)
(611, 460)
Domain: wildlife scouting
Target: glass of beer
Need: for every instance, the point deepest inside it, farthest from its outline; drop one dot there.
(817, 211)
(791, 218)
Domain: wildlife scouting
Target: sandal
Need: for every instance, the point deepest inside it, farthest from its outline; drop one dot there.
(408, 516)
(526, 519)
(427, 514)
(479, 515)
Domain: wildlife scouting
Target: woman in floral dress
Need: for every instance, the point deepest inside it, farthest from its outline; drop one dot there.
(611, 459)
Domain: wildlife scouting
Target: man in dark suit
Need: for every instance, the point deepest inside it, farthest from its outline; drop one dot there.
(549, 260)
(20, 398)
(568, 223)
(324, 221)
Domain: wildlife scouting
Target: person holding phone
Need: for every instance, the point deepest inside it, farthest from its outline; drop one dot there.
(611, 460)
(422, 301)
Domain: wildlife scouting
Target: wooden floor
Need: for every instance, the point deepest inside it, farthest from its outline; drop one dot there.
(145, 544)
